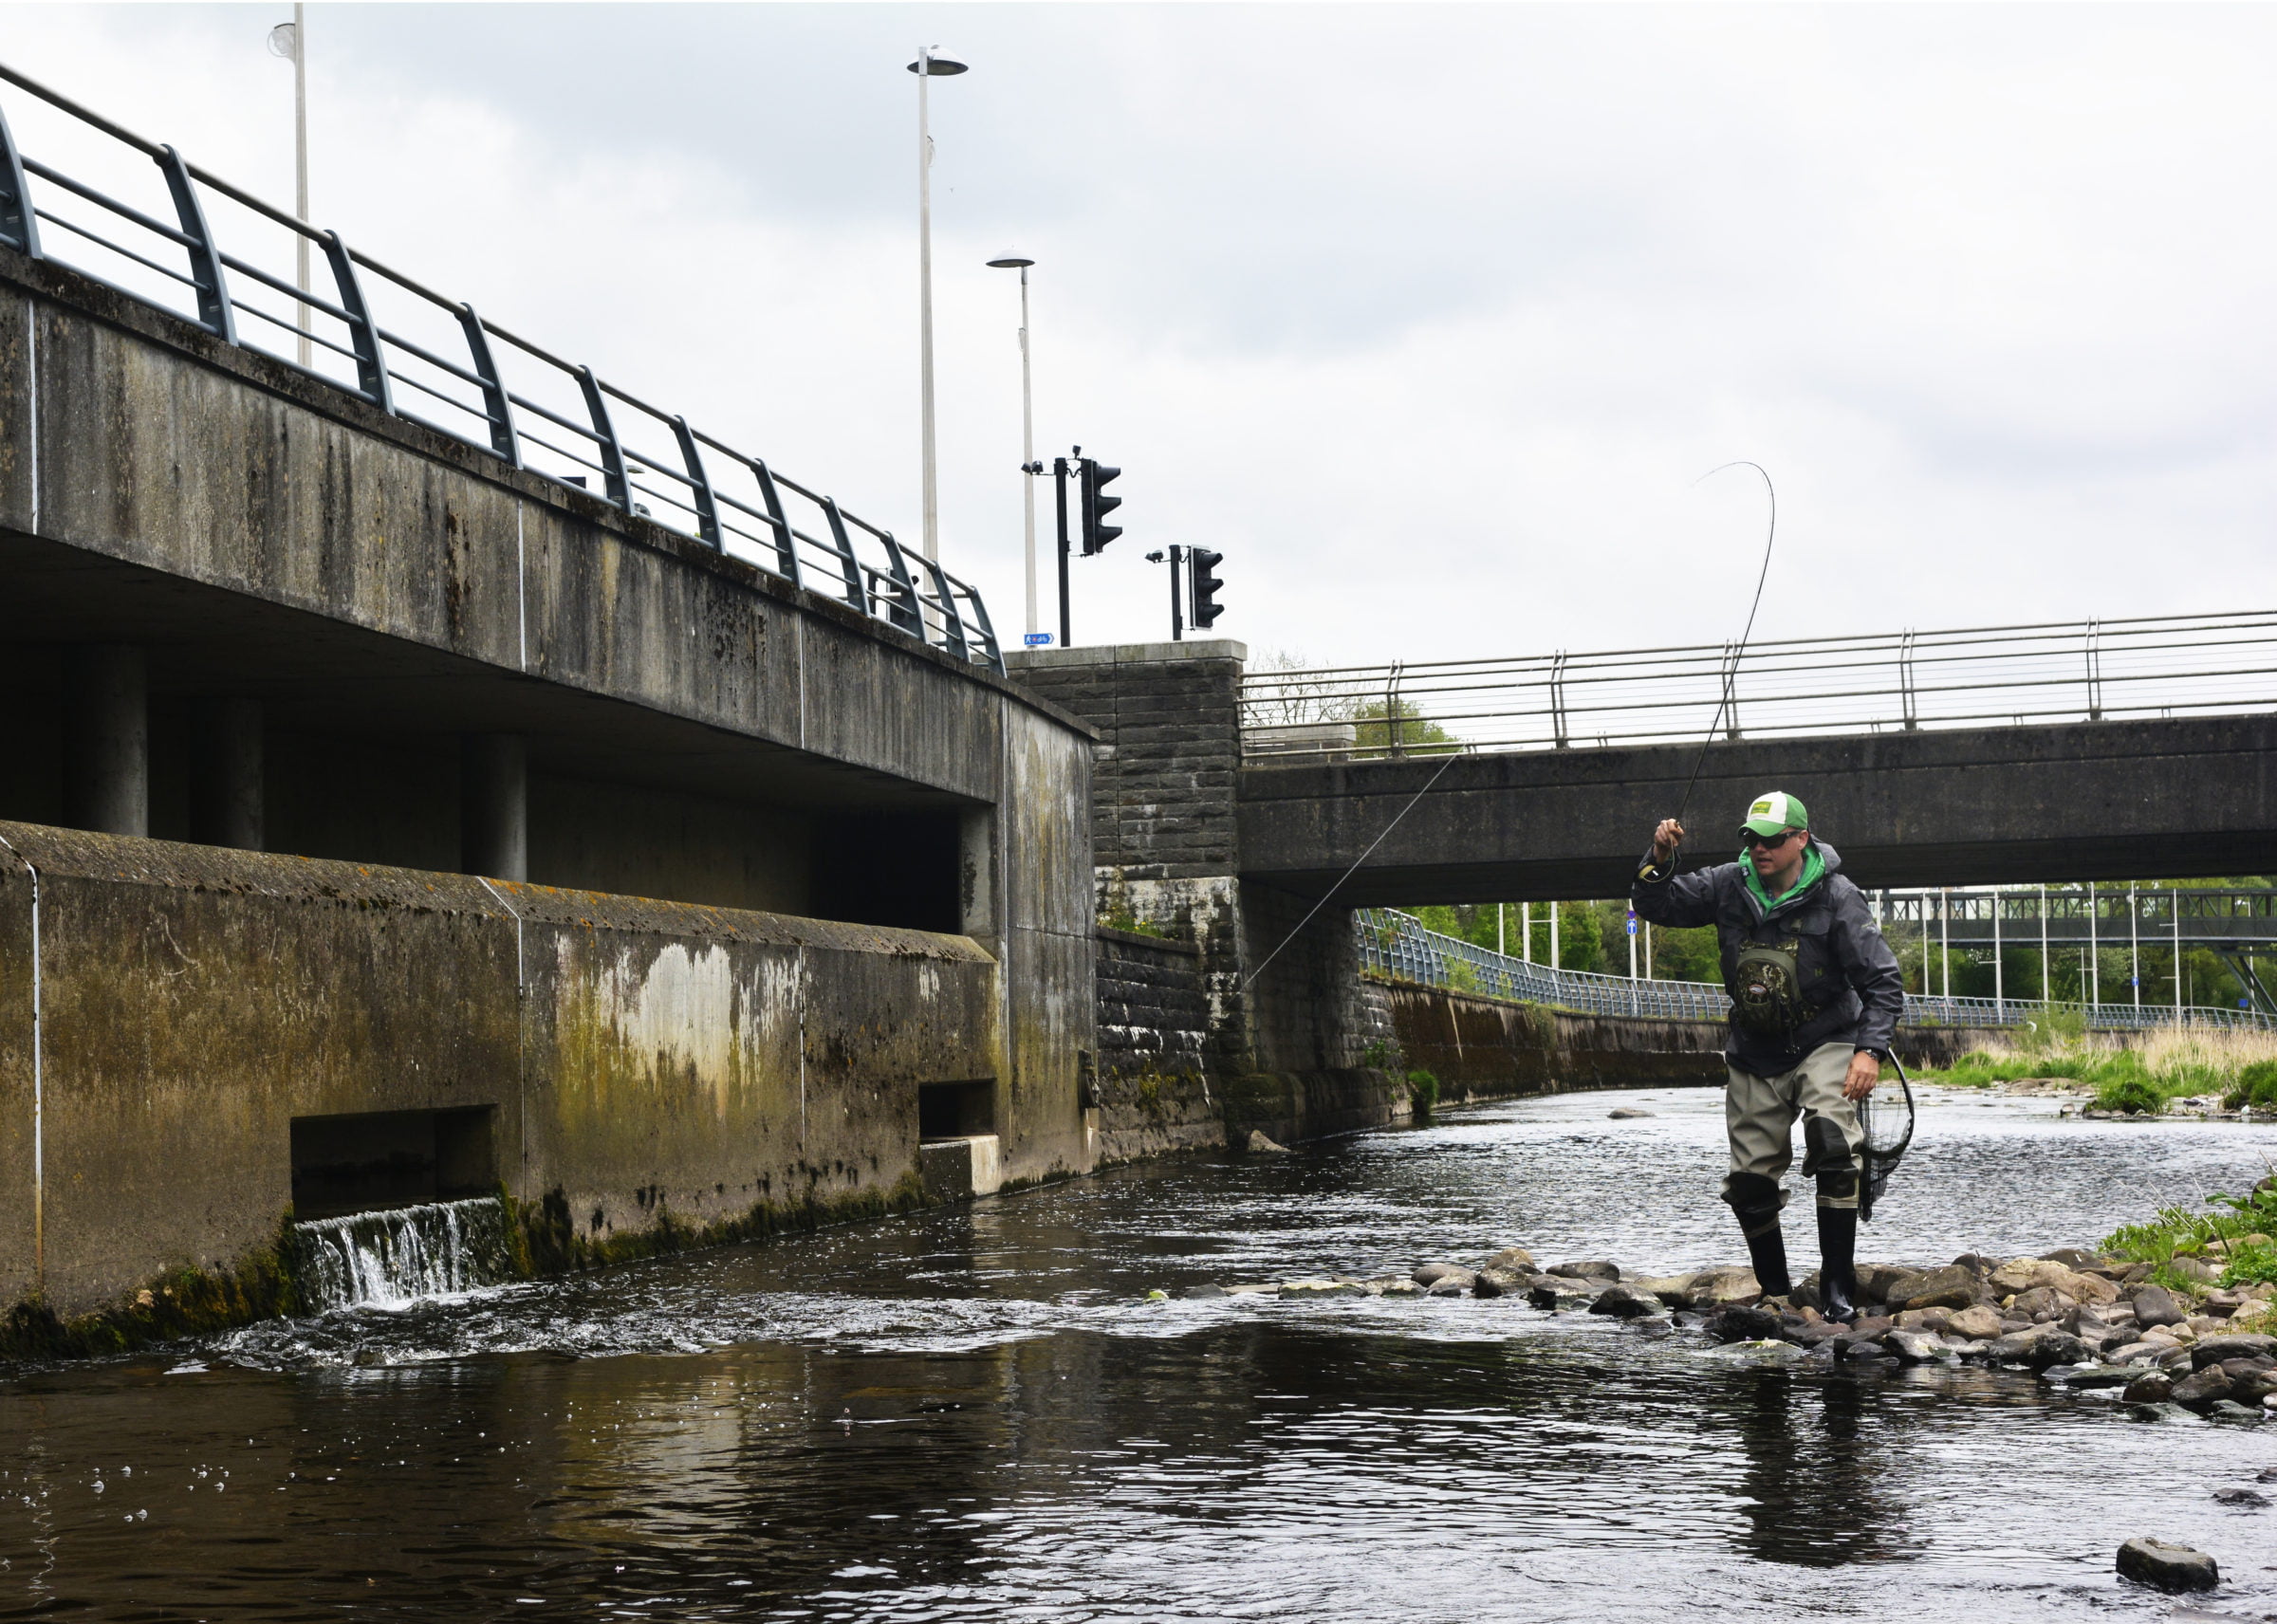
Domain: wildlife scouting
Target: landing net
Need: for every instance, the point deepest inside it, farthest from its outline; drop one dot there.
(1886, 1117)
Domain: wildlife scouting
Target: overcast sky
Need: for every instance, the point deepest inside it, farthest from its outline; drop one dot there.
(1428, 318)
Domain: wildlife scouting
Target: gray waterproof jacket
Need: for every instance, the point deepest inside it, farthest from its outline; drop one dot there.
(1848, 977)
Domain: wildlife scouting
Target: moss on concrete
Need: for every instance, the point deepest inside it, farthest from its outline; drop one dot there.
(548, 1235)
(183, 1301)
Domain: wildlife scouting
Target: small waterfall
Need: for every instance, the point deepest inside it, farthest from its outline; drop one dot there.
(387, 1259)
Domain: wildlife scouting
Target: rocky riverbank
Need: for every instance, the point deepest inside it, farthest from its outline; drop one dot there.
(2075, 1318)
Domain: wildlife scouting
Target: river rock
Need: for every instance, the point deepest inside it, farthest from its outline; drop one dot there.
(1977, 1322)
(2150, 1387)
(1322, 1288)
(2195, 1268)
(1451, 1285)
(1556, 1292)
(2021, 1275)
(1595, 1268)
(1914, 1347)
(2202, 1388)
(1670, 1288)
(1512, 1259)
(2074, 1257)
(1196, 1293)
(2042, 1305)
(2093, 1375)
(2251, 1387)
(1714, 1289)
(2058, 1348)
(1430, 1274)
(1260, 1145)
(1739, 1324)
(1400, 1288)
(2251, 1499)
(1625, 1302)
(2133, 1352)
(2167, 1566)
(1625, 1114)
(2232, 1345)
(2231, 1409)
(1947, 1288)
(1492, 1281)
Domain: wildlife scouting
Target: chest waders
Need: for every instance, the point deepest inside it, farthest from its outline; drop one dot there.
(1766, 986)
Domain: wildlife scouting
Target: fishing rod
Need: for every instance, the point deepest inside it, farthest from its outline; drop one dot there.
(1731, 669)
(1731, 676)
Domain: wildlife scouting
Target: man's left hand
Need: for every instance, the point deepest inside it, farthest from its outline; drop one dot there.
(1865, 1071)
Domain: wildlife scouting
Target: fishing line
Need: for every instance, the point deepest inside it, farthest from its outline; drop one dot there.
(1761, 577)
(1732, 674)
(1452, 757)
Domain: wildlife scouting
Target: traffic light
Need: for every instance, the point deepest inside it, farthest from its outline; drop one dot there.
(1206, 608)
(1098, 505)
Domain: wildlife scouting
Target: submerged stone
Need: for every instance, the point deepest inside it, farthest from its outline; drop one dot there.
(2167, 1566)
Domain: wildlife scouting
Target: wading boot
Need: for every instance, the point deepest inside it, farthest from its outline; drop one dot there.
(1837, 1262)
(1766, 1248)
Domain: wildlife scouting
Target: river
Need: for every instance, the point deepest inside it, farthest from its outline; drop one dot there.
(976, 1415)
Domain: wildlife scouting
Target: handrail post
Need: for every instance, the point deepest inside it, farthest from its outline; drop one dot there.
(214, 310)
(1557, 698)
(699, 484)
(987, 632)
(363, 334)
(953, 624)
(856, 594)
(1394, 744)
(905, 611)
(495, 406)
(604, 432)
(2095, 671)
(19, 226)
(1905, 680)
(786, 547)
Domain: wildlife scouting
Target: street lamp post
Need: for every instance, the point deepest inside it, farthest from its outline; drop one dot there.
(1030, 467)
(290, 41)
(928, 67)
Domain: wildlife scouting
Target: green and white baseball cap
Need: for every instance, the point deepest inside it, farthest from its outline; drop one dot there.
(1774, 812)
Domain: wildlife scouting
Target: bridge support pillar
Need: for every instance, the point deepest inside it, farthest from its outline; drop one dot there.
(227, 804)
(107, 739)
(1293, 1032)
(493, 805)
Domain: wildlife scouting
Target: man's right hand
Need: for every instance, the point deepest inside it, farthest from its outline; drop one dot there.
(1666, 839)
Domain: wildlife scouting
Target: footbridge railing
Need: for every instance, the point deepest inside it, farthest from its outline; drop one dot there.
(1399, 947)
(2056, 672)
(135, 215)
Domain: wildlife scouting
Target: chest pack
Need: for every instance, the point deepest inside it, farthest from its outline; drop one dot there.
(1766, 987)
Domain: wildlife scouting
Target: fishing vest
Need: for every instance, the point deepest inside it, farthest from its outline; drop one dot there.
(1766, 986)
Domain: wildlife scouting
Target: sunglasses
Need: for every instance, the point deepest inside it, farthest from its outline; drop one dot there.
(1769, 842)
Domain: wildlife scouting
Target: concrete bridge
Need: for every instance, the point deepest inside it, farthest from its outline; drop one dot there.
(387, 819)
(2111, 800)
(1234, 849)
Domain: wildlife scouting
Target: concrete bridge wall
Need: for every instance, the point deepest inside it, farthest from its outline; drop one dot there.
(242, 611)
(654, 1073)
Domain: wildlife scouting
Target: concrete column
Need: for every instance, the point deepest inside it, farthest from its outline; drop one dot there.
(979, 911)
(228, 806)
(107, 739)
(493, 805)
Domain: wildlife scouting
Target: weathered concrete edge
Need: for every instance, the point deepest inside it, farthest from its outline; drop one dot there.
(47, 279)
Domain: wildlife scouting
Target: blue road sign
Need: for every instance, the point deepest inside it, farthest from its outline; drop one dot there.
(1037, 640)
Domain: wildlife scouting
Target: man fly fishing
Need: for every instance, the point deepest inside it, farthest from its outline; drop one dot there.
(1815, 1000)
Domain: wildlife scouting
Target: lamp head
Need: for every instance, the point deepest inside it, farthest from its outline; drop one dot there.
(936, 67)
(1010, 261)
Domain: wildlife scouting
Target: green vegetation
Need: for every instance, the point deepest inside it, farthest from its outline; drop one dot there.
(2171, 1063)
(1376, 727)
(2234, 1236)
(1423, 1088)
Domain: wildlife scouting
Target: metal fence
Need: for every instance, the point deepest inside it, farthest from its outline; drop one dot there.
(2072, 671)
(133, 215)
(1399, 947)
(2072, 917)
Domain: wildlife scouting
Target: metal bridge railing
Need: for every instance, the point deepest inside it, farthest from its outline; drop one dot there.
(1399, 947)
(157, 234)
(2070, 671)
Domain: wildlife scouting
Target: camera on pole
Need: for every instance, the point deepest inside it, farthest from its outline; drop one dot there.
(1098, 505)
(1204, 608)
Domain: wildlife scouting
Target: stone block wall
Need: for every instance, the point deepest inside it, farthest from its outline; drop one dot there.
(1154, 1087)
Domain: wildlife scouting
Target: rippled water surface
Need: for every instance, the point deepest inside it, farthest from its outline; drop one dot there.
(973, 1414)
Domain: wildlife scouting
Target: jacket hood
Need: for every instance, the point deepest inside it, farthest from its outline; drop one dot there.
(1832, 858)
